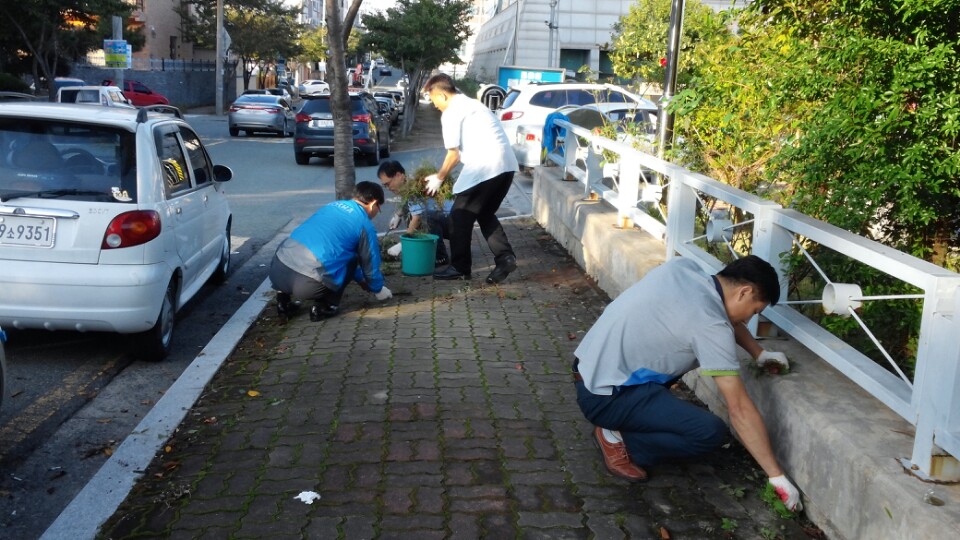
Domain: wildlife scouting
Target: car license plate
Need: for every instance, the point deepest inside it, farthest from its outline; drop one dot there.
(321, 123)
(27, 231)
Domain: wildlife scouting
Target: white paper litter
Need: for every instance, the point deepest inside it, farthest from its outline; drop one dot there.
(308, 496)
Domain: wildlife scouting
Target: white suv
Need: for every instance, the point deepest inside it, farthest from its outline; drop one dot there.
(526, 107)
(110, 220)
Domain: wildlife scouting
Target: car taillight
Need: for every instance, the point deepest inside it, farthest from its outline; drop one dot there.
(132, 229)
(531, 136)
(234, 109)
(511, 115)
(272, 111)
(303, 117)
(365, 118)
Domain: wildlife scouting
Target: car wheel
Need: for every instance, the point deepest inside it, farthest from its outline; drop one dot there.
(373, 158)
(154, 344)
(234, 132)
(386, 151)
(220, 274)
(302, 158)
(3, 372)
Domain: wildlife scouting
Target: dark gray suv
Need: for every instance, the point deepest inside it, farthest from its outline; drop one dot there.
(313, 135)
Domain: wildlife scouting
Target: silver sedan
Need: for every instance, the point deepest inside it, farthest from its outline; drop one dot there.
(261, 112)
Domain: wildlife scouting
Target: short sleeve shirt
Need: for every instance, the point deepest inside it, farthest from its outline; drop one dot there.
(670, 322)
(485, 151)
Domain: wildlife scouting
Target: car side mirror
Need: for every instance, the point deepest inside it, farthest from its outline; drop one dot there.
(222, 173)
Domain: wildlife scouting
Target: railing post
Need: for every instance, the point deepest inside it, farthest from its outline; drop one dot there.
(771, 242)
(569, 151)
(629, 187)
(936, 388)
(682, 212)
(594, 171)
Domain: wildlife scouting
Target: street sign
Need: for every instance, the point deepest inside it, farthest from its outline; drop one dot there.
(116, 54)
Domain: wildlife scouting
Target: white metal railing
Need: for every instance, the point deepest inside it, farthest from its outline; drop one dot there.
(931, 402)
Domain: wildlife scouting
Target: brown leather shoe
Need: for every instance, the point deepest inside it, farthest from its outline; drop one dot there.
(616, 458)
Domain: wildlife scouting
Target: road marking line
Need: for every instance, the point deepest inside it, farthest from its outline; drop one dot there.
(100, 498)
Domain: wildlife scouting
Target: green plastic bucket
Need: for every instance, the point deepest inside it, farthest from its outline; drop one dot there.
(418, 253)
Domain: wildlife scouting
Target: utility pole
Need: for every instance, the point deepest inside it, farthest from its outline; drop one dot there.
(552, 24)
(218, 66)
(117, 27)
(665, 120)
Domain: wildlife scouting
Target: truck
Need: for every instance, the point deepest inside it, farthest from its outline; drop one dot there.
(108, 96)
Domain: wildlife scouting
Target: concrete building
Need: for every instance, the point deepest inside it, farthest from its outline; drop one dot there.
(548, 33)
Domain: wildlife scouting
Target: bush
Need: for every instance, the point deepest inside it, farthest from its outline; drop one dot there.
(469, 86)
(12, 83)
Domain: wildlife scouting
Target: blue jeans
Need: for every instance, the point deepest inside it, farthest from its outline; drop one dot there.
(655, 425)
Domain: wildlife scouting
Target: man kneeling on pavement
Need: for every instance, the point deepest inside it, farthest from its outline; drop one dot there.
(334, 245)
(675, 319)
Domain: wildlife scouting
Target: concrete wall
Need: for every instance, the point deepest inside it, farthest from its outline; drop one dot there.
(184, 89)
(838, 443)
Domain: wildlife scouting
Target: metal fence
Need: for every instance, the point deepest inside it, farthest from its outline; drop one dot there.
(96, 59)
(703, 218)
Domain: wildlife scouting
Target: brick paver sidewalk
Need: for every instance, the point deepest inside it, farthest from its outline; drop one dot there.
(446, 412)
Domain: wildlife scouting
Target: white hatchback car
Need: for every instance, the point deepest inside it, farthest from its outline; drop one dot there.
(525, 108)
(110, 220)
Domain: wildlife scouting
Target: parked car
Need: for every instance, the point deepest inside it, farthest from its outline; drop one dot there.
(635, 124)
(3, 367)
(18, 96)
(386, 72)
(61, 82)
(314, 131)
(110, 220)
(261, 112)
(314, 87)
(529, 105)
(106, 96)
(139, 94)
(389, 108)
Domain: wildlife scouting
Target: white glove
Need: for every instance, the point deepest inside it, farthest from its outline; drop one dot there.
(433, 184)
(384, 293)
(789, 494)
(394, 250)
(395, 222)
(773, 357)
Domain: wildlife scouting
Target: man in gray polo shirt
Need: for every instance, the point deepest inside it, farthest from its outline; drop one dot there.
(675, 319)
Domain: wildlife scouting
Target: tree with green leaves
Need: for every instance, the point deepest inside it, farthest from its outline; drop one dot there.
(848, 111)
(261, 31)
(639, 42)
(418, 36)
(55, 32)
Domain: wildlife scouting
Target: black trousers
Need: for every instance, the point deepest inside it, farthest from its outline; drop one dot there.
(479, 204)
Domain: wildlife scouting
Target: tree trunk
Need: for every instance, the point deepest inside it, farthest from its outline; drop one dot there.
(343, 170)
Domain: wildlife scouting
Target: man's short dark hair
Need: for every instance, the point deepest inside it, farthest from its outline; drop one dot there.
(367, 192)
(757, 272)
(442, 82)
(390, 168)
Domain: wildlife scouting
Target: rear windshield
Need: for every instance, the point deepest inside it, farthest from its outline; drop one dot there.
(258, 98)
(322, 105)
(65, 160)
(512, 96)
